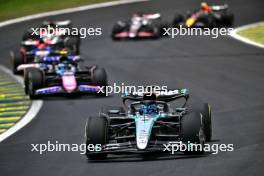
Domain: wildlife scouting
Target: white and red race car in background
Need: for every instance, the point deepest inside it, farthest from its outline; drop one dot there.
(139, 26)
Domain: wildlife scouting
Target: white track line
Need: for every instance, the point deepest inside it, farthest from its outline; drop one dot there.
(37, 104)
(235, 34)
(69, 10)
(32, 112)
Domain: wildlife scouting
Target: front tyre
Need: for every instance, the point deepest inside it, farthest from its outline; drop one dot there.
(35, 79)
(16, 60)
(96, 133)
(228, 19)
(99, 78)
(207, 122)
(192, 132)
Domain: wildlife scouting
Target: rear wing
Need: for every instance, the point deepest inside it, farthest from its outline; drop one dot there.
(165, 96)
(152, 16)
(64, 23)
(219, 7)
(59, 58)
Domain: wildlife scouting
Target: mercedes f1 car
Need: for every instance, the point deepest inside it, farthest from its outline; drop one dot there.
(139, 26)
(206, 17)
(61, 74)
(147, 123)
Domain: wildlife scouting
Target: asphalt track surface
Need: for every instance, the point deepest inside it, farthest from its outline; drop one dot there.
(222, 71)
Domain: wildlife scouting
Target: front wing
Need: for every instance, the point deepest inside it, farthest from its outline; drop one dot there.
(131, 147)
(59, 89)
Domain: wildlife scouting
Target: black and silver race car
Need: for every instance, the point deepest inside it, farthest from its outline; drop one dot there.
(139, 26)
(147, 123)
(206, 17)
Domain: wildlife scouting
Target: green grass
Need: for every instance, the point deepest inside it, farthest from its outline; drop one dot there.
(17, 8)
(255, 34)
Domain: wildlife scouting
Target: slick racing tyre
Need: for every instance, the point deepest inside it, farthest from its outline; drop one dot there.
(96, 130)
(207, 21)
(118, 27)
(73, 45)
(162, 26)
(99, 78)
(26, 71)
(228, 19)
(178, 19)
(192, 131)
(207, 122)
(205, 109)
(34, 80)
(29, 34)
(16, 60)
(211, 22)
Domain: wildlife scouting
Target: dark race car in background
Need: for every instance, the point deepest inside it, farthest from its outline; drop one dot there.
(139, 26)
(56, 28)
(206, 17)
(62, 74)
(35, 54)
(147, 124)
(32, 43)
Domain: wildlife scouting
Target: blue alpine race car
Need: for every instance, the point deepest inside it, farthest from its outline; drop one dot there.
(61, 74)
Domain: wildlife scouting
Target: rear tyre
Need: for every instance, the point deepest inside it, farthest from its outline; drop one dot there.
(29, 34)
(209, 21)
(99, 79)
(228, 19)
(192, 131)
(35, 79)
(26, 71)
(162, 29)
(16, 60)
(177, 20)
(96, 130)
(73, 44)
(116, 29)
(207, 122)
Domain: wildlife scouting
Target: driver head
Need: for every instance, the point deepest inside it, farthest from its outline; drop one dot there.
(41, 45)
(204, 6)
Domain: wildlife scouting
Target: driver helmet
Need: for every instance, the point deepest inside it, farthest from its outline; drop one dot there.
(136, 18)
(61, 68)
(205, 7)
(41, 45)
(150, 107)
